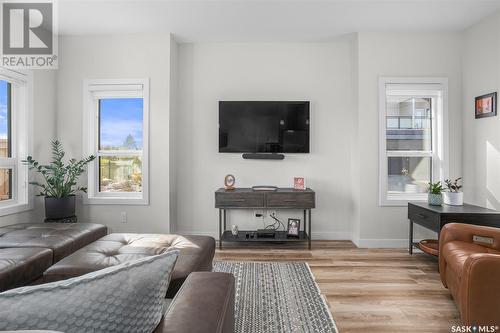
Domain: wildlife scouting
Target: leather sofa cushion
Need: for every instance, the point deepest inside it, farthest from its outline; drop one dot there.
(196, 254)
(20, 266)
(62, 238)
(205, 303)
(457, 252)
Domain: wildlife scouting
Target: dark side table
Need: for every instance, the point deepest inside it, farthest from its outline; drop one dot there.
(435, 217)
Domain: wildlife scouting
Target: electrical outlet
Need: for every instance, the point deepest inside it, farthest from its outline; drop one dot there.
(258, 214)
(123, 217)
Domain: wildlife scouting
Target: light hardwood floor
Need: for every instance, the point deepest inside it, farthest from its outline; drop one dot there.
(369, 290)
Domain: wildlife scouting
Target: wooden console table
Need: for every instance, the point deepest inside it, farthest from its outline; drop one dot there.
(435, 217)
(282, 198)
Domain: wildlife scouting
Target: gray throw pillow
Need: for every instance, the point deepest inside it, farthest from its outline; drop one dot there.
(125, 298)
(30, 331)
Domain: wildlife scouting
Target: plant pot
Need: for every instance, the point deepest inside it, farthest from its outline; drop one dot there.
(435, 199)
(60, 208)
(453, 198)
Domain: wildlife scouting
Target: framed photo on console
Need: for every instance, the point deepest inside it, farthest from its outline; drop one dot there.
(293, 228)
(299, 183)
(486, 105)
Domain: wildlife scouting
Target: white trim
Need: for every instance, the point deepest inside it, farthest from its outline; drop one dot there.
(401, 199)
(377, 243)
(213, 234)
(15, 208)
(403, 153)
(339, 235)
(95, 89)
(102, 200)
(16, 77)
(123, 85)
(380, 243)
(404, 86)
(21, 141)
(345, 236)
(119, 153)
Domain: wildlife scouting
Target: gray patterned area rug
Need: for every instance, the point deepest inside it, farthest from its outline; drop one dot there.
(273, 297)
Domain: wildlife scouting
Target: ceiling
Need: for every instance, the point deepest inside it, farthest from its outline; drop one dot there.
(268, 21)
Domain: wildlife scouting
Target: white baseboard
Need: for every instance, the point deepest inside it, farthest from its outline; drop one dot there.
(380, 243)
(315, 235)
(197, 233)
(331, 235)
(361, 243)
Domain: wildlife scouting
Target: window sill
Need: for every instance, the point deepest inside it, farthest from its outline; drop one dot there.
(14, 208)
(401, 201)
(115, 201)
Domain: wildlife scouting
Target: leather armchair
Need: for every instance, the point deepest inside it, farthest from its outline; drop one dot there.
(469, 265)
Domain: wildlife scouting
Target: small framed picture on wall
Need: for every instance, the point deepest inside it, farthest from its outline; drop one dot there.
(486, 105)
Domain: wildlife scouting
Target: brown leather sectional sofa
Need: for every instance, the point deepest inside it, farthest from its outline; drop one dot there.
(22, 266)
(196, 255)
(36, 253)
(28, 249)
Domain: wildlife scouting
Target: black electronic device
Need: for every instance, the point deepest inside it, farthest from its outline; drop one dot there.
(266, 233)
(264, 127)
(263, 156)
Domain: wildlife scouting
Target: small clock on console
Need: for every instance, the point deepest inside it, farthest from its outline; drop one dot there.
(229, 182)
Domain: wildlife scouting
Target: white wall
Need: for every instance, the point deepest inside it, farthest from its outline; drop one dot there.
(44, 130)
(187, 81)
(481, 137)
(340, 78)
(174, 81)
(393, 55)
(355, 148)
(116, 57)
(317, 72)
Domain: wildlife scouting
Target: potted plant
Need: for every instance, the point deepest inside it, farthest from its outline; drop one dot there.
(59, 184)
(453, 196)
(435, 197)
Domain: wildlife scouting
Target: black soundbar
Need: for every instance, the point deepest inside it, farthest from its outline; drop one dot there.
(263, 156)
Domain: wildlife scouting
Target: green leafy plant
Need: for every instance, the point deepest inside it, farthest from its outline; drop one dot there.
(435, 188)
(454, 186)
(59, 179)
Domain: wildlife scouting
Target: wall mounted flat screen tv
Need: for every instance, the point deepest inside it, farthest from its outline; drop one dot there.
(263, 127)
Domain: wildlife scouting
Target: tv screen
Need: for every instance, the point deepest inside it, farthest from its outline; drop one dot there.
(263, 127)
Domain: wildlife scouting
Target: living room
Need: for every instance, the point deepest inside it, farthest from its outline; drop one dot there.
(161, 100)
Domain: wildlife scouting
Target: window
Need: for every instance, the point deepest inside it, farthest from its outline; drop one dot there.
(412, 138)
(15, 133)
(116, 129)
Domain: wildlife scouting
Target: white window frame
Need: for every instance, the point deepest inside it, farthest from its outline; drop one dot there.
(119, 88)
(21, 141)
(440, 135)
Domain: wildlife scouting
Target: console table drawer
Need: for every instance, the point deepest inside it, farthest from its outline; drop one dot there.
(239, 200)
(424, 218)
(290, 200)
